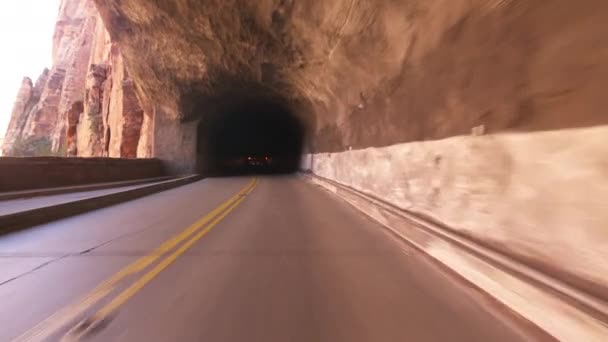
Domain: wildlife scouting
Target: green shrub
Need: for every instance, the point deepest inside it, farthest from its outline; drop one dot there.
(34, 147)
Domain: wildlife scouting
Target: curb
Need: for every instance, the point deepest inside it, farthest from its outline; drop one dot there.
(78, 188)
(23, 220)
(558, 309)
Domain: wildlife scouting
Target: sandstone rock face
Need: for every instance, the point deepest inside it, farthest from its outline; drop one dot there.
(70, 105)
(72, 46)
(358, 73)
(41, 120)
(22, 106)
(114, 115)
(60, 86)
(90, 144)
(73, 117)
(374, 73)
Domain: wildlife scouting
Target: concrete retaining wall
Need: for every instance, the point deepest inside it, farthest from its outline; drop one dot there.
(541, 197)
(559, 310)
(46, 172)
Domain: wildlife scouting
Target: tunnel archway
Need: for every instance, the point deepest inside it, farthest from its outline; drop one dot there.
(250, 137)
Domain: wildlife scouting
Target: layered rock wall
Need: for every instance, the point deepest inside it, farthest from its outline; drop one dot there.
(23, 104)
(374, 73)
(85, 95)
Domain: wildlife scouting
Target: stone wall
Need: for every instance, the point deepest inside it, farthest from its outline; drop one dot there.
(49, 172)
(59, 87)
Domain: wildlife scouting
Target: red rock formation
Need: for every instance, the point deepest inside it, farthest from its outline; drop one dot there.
(91, 122)
(43, 117)
(22, 106)
(86, 96)
(72, 46)
(133, 116)
(122, 112)
(73, 116)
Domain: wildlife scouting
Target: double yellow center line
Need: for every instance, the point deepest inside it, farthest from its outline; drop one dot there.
(192, 234)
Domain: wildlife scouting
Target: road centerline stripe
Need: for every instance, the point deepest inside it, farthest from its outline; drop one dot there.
(124, 296)
(62, 317)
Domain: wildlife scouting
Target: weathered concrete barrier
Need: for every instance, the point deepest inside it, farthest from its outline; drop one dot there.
(537, 198)
(47, 172)
(560, 310)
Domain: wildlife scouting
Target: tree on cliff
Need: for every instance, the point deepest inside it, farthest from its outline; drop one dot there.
(34, 147)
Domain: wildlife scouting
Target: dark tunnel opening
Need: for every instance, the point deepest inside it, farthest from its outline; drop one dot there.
(250, 137)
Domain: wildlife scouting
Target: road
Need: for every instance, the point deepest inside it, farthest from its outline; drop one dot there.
(22, 204)
(233, 259)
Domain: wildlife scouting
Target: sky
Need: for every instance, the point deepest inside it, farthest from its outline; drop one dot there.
(26, 42)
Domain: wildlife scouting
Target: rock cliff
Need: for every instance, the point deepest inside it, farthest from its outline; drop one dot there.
(373, 73)
(358, 73)
(86, 104)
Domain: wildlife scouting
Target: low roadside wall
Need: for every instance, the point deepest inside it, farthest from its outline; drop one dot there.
(539, 197)
(47, 172)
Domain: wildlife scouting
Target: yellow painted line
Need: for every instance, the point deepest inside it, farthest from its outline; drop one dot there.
(124, 296)
(54, 322)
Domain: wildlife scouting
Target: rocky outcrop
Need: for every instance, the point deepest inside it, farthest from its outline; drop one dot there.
(44, 116)
(60, 86)
(111, 124)
(22, 105)
(358, 73)
(373, 73)
(69, 107)
(90, 125)
(33, 115)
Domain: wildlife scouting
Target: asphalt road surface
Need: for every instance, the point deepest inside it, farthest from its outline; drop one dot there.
(233, 259)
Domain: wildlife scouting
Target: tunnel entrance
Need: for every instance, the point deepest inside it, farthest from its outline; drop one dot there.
(250, 137)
